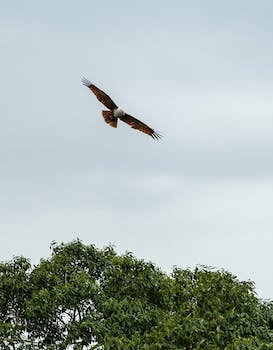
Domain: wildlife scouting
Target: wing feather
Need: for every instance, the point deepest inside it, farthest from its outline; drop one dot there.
(101, 95)
(139, 125)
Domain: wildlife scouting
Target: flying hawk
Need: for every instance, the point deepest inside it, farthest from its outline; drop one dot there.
(111, 116)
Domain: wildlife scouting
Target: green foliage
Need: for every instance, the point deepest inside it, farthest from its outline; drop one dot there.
(85, 298)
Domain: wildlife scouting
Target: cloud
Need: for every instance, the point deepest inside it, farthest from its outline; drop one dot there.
(200, 74)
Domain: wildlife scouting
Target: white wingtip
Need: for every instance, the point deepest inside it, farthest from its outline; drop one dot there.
(85, 81)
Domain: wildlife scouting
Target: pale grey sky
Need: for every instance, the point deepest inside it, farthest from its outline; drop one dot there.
(199, 72)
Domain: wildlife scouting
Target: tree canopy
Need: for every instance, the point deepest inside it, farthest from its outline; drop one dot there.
(86, 298)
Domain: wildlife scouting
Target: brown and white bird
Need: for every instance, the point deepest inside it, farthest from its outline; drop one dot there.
(114, 113)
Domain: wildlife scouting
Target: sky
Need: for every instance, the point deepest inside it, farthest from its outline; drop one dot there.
(199, 72)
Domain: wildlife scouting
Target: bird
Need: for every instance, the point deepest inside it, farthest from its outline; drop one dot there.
(114, 113)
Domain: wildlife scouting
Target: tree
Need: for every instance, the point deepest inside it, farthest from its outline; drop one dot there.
(86, 298)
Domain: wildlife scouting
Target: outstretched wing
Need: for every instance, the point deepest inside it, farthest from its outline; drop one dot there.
(101, 96)
(137, 124)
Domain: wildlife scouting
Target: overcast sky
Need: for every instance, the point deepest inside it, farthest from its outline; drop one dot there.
(199, 72)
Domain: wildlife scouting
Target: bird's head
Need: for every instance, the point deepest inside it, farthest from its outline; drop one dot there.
(118, 112)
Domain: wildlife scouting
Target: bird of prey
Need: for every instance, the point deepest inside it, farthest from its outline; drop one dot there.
(114, 113)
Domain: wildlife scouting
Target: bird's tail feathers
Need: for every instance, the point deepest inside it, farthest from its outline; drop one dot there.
(110, 119)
